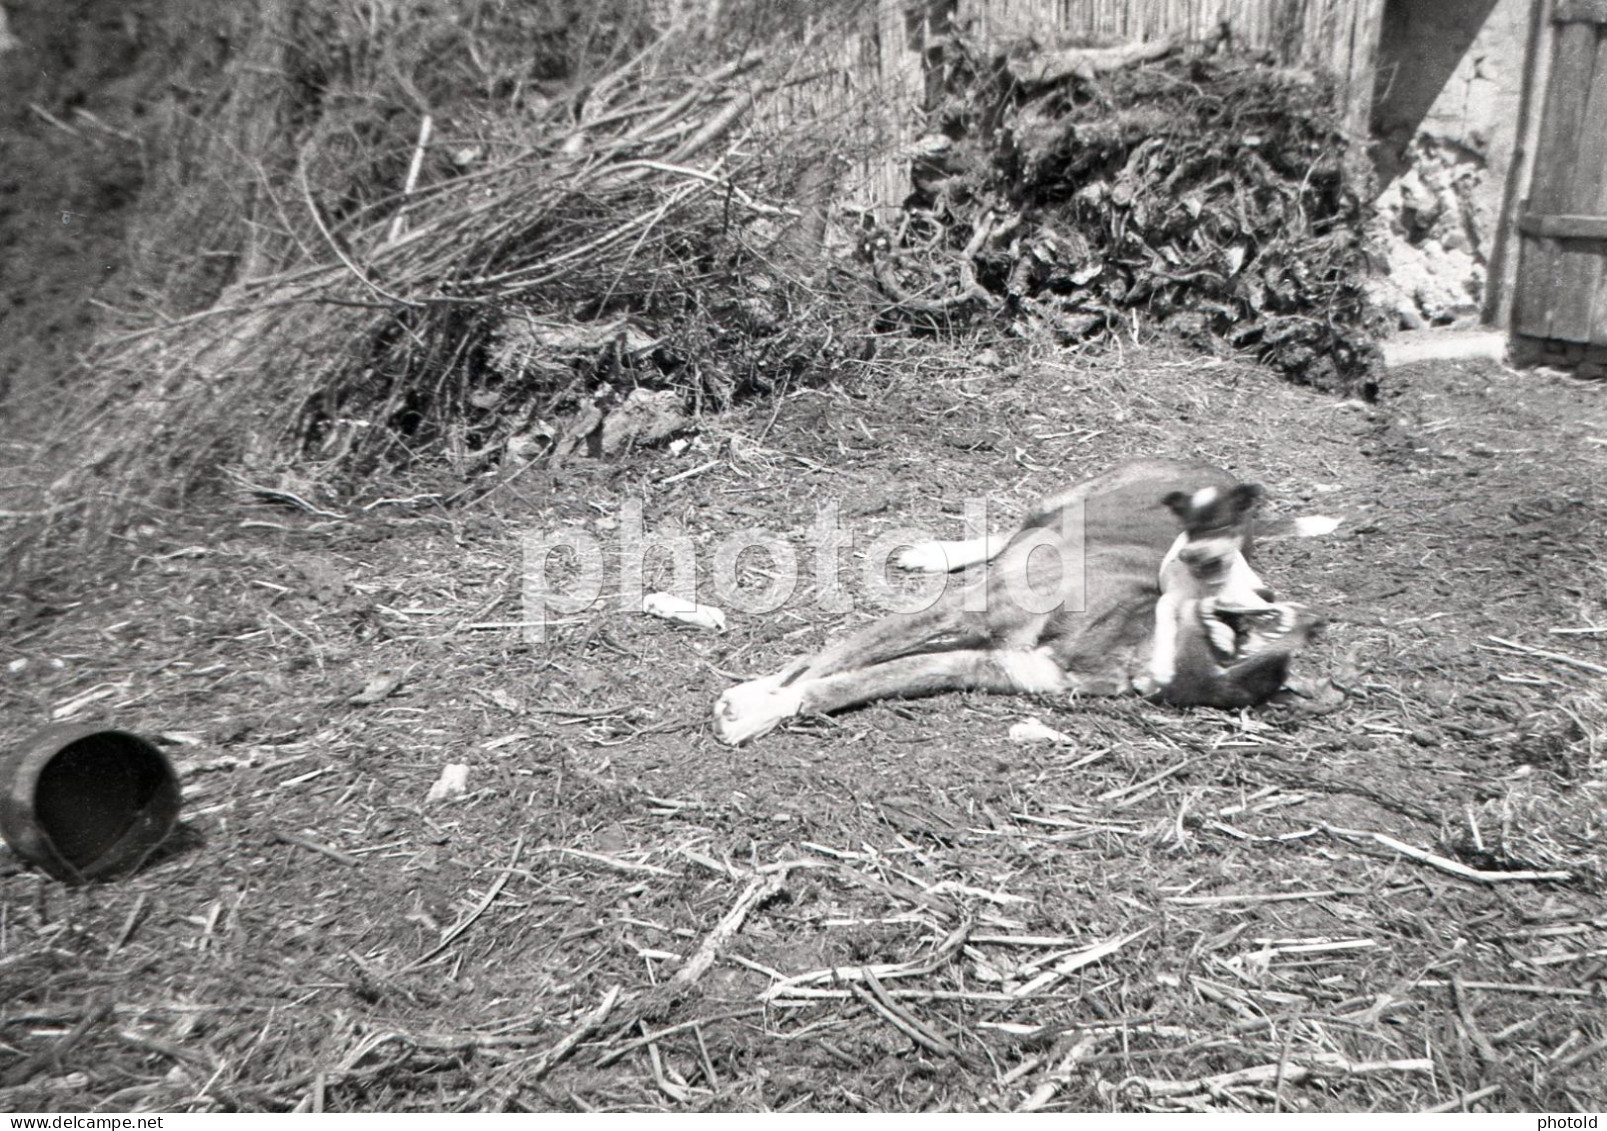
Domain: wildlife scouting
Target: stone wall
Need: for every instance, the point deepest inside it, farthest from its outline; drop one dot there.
(1446, 115)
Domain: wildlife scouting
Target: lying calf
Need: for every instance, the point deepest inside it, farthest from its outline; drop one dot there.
(1132, 606)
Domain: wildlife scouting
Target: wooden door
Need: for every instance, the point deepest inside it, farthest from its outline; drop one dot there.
(1562, 267)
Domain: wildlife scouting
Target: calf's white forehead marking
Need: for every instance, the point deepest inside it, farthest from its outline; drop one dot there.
(1203, 498)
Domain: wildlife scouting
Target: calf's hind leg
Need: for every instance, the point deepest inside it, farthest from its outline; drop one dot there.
(755, 707)
(905, 677)
(1012, 671)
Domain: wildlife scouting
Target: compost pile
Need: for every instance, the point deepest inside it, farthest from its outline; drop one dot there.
(1209, 195)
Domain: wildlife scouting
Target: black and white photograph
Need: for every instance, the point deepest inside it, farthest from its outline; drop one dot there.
(803, 556)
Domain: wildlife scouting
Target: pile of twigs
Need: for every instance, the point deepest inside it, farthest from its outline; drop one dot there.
(524, 272)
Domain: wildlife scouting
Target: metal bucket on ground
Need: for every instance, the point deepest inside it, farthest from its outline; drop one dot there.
(86, 803)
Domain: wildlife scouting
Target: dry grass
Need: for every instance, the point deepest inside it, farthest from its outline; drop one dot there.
(893, 909)
(353, 214)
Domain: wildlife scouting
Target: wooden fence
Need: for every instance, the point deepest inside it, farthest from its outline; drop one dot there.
(1338, 36)
(1562, 277)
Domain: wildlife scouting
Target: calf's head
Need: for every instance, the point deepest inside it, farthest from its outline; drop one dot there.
(1216, 529)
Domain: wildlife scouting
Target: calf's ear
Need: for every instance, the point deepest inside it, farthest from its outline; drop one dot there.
(1179, 503)
(1244, 497)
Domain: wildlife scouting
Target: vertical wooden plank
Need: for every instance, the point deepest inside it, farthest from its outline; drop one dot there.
(898, 78)
(1597, 315)
(1590, 192)
(1532, 295)
(1325, 35)
(1366, 21)
(1353, 29)
(1565, 105)
(1572, 64)
(1509, 247)
(1331, 31)
(1578, 173)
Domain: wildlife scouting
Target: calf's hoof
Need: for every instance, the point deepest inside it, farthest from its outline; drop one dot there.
(755, 708)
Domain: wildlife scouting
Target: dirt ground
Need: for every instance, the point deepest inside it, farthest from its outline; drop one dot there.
(71, 166)
(1182, 910)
